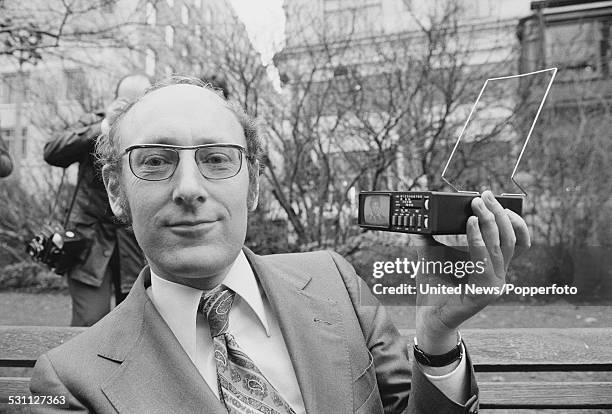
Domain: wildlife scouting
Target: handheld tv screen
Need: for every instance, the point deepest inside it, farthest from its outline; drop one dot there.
(376, 210)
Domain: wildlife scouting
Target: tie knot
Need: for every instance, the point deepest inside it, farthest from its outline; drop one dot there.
(216, 305)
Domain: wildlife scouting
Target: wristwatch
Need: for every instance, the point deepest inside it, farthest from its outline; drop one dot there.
(448, 358)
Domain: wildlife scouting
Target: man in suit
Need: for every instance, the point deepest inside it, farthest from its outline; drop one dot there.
(210, 327)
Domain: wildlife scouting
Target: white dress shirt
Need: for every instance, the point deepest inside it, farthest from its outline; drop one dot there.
(255, 328)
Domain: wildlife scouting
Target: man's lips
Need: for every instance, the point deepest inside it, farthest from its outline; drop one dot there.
(191, 228)
(189, 223)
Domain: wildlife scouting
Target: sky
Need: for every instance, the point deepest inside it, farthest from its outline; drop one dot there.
(265, 24)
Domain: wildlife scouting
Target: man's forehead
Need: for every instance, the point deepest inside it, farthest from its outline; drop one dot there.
(181, 94)
(183, 107)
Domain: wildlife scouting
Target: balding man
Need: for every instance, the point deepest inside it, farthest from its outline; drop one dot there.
(114, 259)
(210, 327)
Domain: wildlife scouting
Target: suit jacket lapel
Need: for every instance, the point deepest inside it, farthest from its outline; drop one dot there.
(155, 374)
(313, 332)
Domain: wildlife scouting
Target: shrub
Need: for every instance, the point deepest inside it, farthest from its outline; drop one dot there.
(30, 276)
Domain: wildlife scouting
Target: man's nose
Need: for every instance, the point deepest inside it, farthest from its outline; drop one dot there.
(189, 183)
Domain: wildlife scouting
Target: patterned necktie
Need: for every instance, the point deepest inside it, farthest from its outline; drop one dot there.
(242, 386)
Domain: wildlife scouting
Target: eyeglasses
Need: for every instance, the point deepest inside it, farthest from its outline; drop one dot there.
(157, 162)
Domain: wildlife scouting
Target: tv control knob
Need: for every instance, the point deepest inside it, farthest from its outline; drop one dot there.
(426, 205)
(425, 222)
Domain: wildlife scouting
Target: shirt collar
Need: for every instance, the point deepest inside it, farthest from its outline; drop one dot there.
(178, 304)
(241, 280)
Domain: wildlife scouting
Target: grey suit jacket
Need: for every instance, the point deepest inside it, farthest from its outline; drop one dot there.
(347, 358)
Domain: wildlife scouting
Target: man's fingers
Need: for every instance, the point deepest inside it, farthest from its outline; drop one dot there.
(490, 234)
(507, 238)
(476, 244)
(474, 236)
(523, 239)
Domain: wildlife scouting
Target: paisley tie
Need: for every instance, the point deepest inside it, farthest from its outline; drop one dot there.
(242, 386)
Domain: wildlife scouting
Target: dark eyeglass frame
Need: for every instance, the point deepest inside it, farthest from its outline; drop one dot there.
(176, 148)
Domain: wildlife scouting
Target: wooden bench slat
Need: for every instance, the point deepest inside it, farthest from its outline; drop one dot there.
(551, 367)
(492, 350)
(545, 395)
(13, 386)
(529, 349)
(21, 345)
(499, 350)
(492, 394)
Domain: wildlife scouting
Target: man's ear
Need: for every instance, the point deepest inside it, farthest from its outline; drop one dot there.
(253, 196)
(113, 190)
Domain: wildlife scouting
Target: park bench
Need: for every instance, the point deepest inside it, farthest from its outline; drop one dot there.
(568, 369)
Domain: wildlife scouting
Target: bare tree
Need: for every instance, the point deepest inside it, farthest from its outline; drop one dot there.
(29, 30)
(225, 51)
(368, 112)
(569, 183)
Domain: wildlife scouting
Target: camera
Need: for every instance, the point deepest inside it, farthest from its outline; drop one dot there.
(59, 249)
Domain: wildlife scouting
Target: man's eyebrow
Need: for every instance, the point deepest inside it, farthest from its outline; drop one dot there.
(176, 141)
(159, 140)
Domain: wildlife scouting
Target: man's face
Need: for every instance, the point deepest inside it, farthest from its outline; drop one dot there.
(190, 228)
(375, 206)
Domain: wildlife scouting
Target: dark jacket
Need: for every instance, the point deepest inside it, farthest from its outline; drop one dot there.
(6, 164)
(92, 216)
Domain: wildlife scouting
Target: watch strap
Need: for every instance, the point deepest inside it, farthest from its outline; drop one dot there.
(442, 360)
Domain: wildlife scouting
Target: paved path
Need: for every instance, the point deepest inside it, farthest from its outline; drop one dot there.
(48, 309)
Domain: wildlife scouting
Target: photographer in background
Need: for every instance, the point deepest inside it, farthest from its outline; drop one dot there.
(114, 260)
(6, 164)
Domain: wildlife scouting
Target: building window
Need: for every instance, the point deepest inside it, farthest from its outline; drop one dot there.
(151, 14)
(605, 48)
(150, 61)
(208, 15)
(184, 52)
(108, 6)
(579, 47)
(198, 4)
(24, 142)
(347, 17)
(76, 83)
(340, 71)
(170, 3)
(574, 47)
(168, 71)
(12, 85)
(170, 36)
(8, 88)
(198, 30)
(184, 15)
(8, 136)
